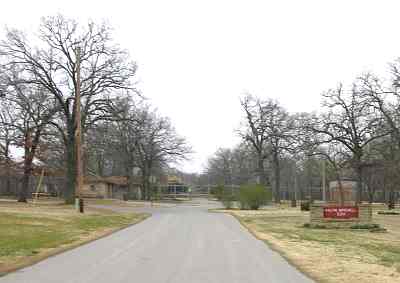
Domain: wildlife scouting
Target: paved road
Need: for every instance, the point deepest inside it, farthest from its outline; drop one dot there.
(182, 244)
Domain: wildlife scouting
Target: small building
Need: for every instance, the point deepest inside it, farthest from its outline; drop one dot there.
(174, 186)
(114, 187)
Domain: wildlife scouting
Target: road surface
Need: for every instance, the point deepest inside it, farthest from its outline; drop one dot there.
(182, 244)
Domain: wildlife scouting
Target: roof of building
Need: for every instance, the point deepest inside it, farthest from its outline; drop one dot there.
(115, 180)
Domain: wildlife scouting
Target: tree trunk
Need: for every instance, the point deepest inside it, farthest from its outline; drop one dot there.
(341, 192)
(371, 190)
(8, 175)
(261, 171)
(8, 179)
(30, 150)
(100, 164)
(277, 177)
(144, 184)
(294, 192)
(69, 193)
(8, 182)
(371, 198)
(23, 192)
(148, 188)
(359, 183)
(129, 173)
(391, 203)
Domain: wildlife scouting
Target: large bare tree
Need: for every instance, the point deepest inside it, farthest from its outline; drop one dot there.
(158, 144)
(254, 132)
(351, 122)
(50, 62)
(8, 137)
(269, 129)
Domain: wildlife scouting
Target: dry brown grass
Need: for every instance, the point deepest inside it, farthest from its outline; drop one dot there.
(329, 255)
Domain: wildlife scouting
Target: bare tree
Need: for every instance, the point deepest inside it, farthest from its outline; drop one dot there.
(254, 132)
(351, 122)
(126, 135)
(242, 164)
(269, 129)
(33, 110)
(280, 129)
(51, 64)
(220, 167)
(8, 136)
(158, 144)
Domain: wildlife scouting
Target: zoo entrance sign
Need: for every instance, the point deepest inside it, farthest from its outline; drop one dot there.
(341, 212)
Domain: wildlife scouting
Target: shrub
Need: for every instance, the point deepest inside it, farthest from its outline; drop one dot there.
(388, 212)
(378, 230)
(375, 228)
(305, 206)
(227, 197)
(365, 226)
(218, 192)
(391, 204)
(228, 200)
(253, 196)
(129, 196)
(315, 226)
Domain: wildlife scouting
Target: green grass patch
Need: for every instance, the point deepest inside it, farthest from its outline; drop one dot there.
(388, 254)
(23, 235)
(96, 222)
(103, 201)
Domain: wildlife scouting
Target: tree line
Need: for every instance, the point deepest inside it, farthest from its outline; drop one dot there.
(355, 134)
(38, 83)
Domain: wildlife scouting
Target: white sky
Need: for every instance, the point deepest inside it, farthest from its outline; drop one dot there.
(197, 57)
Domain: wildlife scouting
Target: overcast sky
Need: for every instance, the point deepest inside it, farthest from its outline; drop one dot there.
(196, 58)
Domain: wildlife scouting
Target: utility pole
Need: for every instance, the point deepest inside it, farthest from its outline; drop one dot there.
(78, 134)
(294, 194)
(324, 180)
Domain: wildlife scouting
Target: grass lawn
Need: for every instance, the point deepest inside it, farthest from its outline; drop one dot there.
(329, 255)
(30, 232)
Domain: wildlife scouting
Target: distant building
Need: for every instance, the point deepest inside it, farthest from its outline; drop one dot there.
(349, 188)
(174, 186)
(112, 187)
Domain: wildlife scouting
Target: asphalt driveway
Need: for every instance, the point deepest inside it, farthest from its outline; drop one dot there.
(181, 244)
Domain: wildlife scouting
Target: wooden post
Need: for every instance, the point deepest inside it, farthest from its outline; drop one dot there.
(78, 132)
(296, 186)
(324, 180)
(38, 187)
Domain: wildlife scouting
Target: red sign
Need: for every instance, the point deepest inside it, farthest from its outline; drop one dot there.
(341, 212)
